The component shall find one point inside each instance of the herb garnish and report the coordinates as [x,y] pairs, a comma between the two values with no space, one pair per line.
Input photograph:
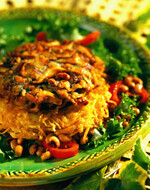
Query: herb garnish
[126,106]
[114,127]
[6,153]
[132,175]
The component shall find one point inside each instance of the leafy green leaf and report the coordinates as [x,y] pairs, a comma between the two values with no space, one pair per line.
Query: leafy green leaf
[132,176]
[139,156]
[117,184]
[114,67]
[111,184]
[126,106]
[2,156]
[97,137]
[148,41]
[119,64]
[132,172]
[88,182]
[114,128]
[5,150]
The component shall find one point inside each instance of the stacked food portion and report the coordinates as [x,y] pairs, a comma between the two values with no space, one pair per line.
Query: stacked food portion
[52,92]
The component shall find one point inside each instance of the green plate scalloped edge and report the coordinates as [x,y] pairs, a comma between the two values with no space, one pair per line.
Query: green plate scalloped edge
[32,171]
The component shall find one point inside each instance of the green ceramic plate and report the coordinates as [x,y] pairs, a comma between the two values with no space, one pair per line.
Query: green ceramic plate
[31,170]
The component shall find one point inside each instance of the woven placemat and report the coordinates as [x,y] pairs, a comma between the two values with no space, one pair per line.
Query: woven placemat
[116,11]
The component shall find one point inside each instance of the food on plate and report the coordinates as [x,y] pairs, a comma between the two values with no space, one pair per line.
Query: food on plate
[52,89]
[57,94]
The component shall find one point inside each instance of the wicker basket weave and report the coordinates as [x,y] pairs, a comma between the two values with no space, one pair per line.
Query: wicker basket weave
[115,11]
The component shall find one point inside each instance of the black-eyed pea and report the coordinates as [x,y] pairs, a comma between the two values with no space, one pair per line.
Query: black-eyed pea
[65,138]
[46,155]
[47,137]
[138,88]
[124,88]
[64,76]
[32,149]
[125,124]
[40,151]
[128,117]
[137,81]
[131,85]
[20,140]
[19,150]
[13,144]
[118,117]
[54,140]
[137,111]
[112,106]
[128,80]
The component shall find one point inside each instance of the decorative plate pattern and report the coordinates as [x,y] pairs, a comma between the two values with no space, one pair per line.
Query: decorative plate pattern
[31,170]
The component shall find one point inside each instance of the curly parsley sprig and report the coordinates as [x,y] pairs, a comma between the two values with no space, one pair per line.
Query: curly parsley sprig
[6,153]
[114,127]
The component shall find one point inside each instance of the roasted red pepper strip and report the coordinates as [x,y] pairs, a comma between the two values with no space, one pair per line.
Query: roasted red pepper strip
[66,150]
[114,89]
[144,95]
[90,38]
[41,36]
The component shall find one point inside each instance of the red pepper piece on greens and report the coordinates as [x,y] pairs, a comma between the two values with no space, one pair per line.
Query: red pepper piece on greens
[41,36]
[66,149]
[144,94]
[90,38]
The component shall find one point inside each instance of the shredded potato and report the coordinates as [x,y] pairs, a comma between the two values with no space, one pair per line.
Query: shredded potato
[20,123]
[82,86]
